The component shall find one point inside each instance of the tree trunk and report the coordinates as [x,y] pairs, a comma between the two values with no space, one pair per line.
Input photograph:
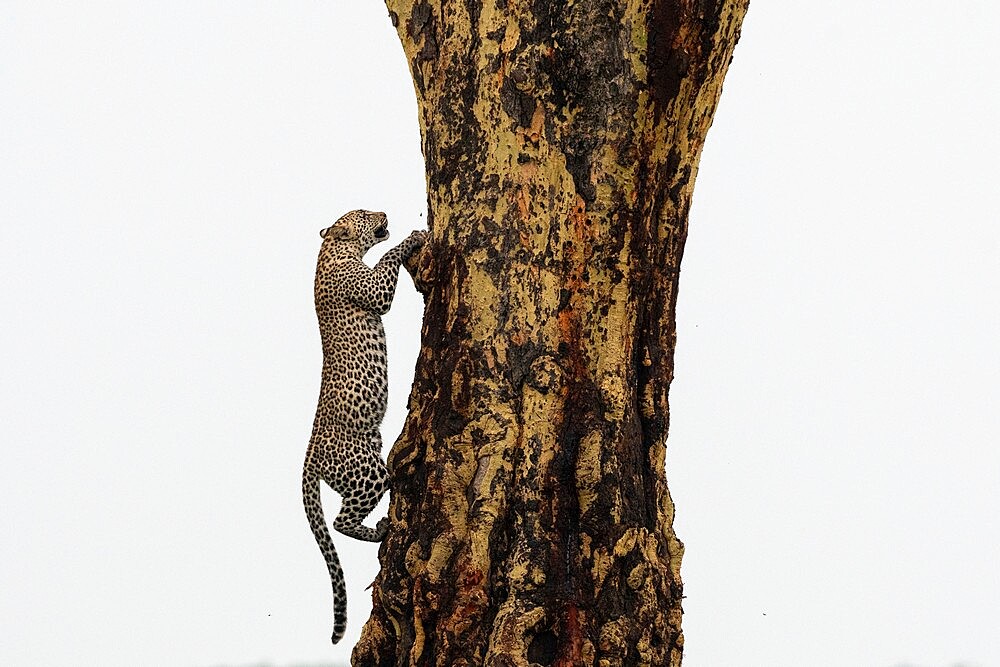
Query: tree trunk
[531,518]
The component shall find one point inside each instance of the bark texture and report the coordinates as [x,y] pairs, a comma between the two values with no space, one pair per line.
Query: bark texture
[532,524]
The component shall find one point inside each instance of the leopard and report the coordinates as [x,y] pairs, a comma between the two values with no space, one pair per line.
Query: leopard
[345,448]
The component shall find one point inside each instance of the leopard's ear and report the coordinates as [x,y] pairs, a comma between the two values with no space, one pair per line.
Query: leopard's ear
[335,232]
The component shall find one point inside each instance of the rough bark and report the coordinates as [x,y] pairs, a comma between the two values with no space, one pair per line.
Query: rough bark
[532,523]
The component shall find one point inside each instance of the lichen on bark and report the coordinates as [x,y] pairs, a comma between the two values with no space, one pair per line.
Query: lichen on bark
[532,523]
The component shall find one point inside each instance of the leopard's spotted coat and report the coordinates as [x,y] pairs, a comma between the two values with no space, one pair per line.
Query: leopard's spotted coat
[345,449]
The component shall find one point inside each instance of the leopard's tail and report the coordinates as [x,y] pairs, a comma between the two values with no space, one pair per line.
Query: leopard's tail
[314,512]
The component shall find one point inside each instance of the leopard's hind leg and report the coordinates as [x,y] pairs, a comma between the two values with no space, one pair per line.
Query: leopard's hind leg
[361,480]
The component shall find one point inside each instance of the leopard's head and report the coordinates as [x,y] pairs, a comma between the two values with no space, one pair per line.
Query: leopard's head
[363,228]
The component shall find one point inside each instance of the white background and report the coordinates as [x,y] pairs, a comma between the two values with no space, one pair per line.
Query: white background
[165,169]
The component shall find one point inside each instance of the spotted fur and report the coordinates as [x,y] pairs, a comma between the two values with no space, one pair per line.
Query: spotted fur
[345,449]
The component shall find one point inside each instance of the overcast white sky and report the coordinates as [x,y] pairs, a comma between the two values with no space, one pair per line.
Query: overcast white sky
[165,169]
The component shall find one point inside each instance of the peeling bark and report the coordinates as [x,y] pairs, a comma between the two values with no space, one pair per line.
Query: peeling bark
[532,524]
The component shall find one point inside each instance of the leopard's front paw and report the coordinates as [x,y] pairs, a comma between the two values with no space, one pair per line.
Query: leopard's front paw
[415,240]
[382,528]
